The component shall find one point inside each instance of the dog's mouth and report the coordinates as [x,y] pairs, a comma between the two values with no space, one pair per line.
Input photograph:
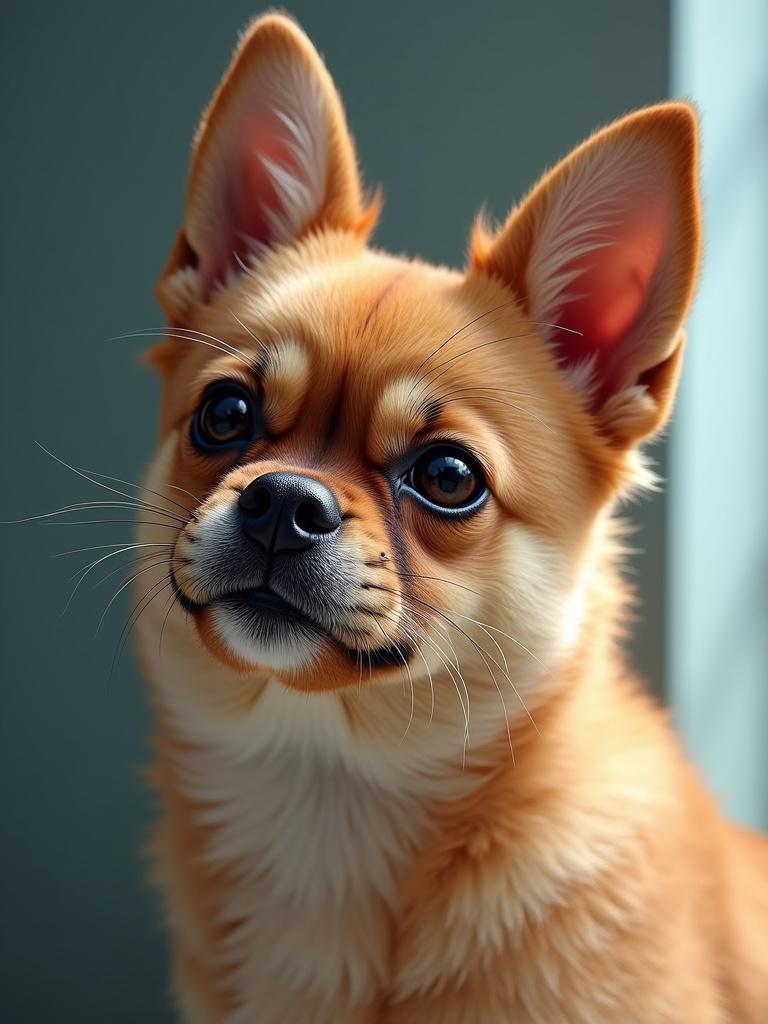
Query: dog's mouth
[265,601]
[262,604]
[272,622]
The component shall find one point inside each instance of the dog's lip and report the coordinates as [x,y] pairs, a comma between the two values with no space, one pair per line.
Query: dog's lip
[264,599]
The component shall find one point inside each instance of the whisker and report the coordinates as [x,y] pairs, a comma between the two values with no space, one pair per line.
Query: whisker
[97,483]
[109,522]
[89,569]
[460,331]
[143,487]
[494,341]
[249,332]
[504,710]
[135,560]
[421,576]
[407,667]
[500,401]
[198,337]
[416,636]
[137,504]
[452,668]
[123,546]
[140,607]
[168,610]
[498,690]
[453,671]
[81,507]
[512,639]
[99,506]
[483,625]
[412,631]
[483,654]
[479,387]
[556,327]
[127,583]
[469,351]
[534,323]
[433,623]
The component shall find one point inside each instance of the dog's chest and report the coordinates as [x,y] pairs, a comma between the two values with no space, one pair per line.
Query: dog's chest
[317,850]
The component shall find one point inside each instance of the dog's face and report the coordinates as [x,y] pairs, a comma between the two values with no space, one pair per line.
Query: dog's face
[387,462]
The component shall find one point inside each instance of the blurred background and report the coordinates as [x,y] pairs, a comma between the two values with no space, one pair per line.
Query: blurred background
[453,106]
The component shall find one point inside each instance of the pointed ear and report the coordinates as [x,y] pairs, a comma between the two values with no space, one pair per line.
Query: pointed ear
[272,159]
[607,245]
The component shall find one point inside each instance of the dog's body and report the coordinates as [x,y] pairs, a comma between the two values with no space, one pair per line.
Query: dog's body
[425,789]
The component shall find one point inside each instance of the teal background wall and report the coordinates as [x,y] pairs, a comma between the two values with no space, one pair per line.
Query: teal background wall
[718,492]
[453,105]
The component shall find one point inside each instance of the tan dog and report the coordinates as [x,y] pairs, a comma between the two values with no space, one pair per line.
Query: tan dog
[406,774]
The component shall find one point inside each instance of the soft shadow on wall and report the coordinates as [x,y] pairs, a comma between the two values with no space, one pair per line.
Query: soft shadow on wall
[452,107]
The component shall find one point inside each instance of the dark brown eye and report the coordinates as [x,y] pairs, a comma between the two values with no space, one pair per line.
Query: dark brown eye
[225,418]
[447,477]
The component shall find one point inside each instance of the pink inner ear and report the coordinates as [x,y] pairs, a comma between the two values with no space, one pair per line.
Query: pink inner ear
[260,140]
[610,289]
[249,197]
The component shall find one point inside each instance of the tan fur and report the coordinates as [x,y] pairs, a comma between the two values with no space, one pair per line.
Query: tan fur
[556,858]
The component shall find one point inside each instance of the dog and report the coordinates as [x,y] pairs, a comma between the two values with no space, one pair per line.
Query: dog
[406,775]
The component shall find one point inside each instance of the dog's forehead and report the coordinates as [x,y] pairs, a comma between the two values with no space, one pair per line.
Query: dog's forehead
[369,308]
[368,333]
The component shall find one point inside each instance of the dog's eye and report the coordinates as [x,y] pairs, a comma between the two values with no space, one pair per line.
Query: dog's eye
[447,477]
[225,417]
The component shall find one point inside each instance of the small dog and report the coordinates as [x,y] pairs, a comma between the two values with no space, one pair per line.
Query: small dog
[406,774]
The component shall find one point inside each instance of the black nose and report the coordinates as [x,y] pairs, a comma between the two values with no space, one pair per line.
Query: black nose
[288,511]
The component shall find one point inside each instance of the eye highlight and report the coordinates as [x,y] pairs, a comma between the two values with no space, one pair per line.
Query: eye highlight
[448,478]
[225,418]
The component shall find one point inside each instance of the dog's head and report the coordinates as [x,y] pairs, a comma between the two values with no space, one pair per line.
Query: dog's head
[388,462]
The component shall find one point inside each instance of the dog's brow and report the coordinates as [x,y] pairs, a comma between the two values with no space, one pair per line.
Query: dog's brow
[285,376]
[401,411]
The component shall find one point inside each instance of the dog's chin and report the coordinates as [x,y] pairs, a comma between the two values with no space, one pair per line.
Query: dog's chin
[258,631]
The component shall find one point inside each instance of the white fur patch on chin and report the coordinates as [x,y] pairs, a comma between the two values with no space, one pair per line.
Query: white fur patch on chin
[292,647]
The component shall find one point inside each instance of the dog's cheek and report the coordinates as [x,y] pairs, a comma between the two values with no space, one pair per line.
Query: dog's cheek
[539,594]
[452,539]
[456,565]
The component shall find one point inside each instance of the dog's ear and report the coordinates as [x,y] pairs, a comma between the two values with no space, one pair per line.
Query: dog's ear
[272,159]
[603,254]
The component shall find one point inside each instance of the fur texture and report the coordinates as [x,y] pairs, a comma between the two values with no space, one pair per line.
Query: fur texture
[492,823]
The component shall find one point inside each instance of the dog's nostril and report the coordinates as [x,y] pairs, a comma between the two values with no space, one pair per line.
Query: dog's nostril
[285,511]
[255,501]
[314,517]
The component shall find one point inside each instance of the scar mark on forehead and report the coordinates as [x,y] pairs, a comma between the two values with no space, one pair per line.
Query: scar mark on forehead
[385,291]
